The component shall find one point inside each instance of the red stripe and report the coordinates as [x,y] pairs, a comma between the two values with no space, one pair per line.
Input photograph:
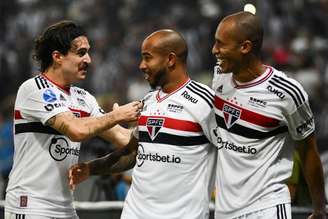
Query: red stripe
[18,115]
[171,123]
[81,113]
[249,116]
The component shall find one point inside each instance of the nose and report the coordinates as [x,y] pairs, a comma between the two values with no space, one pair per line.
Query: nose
[87,58]
[215,49]
[142,65]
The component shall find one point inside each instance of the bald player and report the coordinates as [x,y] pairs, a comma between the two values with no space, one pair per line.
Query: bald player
[174,166]
[260,114]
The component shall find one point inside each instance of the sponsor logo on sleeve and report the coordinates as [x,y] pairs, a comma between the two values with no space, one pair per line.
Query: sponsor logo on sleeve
[187,96]
[307,125]
[49,96]
[50,106]
[276,92]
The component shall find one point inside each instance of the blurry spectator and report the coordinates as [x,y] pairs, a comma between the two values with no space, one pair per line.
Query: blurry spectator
[6,141]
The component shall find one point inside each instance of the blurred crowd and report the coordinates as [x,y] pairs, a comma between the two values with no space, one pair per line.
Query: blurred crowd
[295,41]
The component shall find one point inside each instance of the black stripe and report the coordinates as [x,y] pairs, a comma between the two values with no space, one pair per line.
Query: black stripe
[248,132]
[297,88]
[23,216]
[281,211]
[210,95]
[209,102]
[202,94]
[43,82]
[290,88]
[164,138]
[278,216]
[284,208]
[37,82]
[35,127]
[284,89]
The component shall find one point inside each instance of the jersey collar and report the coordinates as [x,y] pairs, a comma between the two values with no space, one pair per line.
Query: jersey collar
[63,88]
[268,72]
[160,99]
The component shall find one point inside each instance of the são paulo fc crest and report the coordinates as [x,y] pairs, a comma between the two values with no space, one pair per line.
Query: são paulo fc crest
[231,115]
[153,126]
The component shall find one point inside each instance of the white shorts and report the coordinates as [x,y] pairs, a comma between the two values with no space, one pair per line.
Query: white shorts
[281,211]
[10,215]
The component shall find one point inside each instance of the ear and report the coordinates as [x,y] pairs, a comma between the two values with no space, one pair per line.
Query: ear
[56,56]
[246,47]
[172,59]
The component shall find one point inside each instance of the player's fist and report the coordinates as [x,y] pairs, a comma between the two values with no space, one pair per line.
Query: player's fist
[127,113]
[77,174]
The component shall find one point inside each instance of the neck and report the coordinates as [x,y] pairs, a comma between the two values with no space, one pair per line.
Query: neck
[57,77]
[176,80]
[249,72]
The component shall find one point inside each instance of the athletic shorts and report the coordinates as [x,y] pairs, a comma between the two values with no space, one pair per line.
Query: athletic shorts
[281,211]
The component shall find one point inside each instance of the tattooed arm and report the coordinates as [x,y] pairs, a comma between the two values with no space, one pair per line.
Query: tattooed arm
[118,161]
[79,129]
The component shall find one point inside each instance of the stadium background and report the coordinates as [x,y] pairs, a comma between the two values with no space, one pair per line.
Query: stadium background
[296,41]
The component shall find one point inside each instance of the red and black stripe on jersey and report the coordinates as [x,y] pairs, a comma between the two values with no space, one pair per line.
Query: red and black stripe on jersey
[250,117]
[172,139]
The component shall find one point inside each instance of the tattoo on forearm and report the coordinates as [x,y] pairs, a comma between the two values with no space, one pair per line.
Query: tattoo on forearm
[63,128]
[51,121]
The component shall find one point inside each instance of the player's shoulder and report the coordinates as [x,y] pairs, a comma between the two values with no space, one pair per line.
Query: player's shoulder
[288,86]
[150,95]
[198,93]
[34,84]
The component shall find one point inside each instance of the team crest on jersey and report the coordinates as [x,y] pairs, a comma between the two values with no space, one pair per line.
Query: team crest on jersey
[49,96]
[153,126]
[231,115]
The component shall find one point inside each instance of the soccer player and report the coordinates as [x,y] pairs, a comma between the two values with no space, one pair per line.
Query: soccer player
[259,113]
[51,118]
[174,166]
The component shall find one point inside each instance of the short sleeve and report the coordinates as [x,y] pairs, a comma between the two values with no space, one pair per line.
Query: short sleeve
[40,105]
[301,122]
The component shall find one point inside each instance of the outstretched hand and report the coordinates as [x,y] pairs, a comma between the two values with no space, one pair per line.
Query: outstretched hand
[77,174]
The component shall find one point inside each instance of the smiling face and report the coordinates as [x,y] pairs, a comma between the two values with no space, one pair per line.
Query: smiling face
[75,63]
[227,47]
[153,63]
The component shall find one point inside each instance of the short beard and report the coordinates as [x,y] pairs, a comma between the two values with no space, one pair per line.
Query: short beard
[158,80]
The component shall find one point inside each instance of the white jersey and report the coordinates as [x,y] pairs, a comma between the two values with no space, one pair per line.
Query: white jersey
[175,161]
[256,123]
[38,180]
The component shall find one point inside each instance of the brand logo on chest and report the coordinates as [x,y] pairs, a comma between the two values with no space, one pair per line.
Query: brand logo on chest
[231,115]
[154,125]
